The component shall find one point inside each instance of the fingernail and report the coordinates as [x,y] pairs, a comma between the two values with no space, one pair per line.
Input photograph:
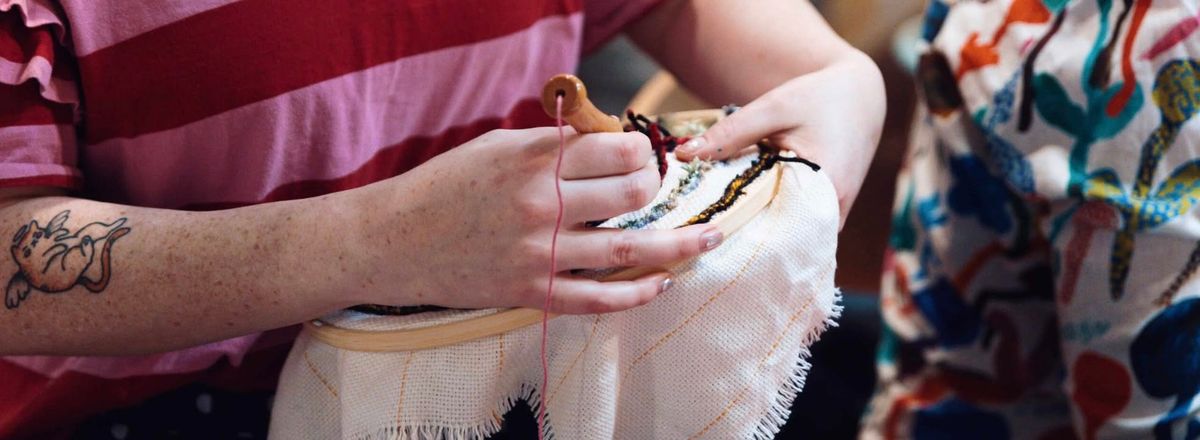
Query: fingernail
[710,240]
[692,146]
[665,284]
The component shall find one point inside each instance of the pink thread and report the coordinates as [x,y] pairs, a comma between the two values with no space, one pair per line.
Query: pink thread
[562,146]
[1177,34]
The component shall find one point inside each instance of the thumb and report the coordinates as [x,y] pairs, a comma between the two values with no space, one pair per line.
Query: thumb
[731,134]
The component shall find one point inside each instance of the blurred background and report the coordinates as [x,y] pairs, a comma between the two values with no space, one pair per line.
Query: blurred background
[842,377]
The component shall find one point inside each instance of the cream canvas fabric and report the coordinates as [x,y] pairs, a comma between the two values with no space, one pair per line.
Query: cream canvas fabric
[721,355]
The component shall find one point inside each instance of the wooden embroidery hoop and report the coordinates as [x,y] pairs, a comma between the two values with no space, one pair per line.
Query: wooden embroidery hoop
[585,118]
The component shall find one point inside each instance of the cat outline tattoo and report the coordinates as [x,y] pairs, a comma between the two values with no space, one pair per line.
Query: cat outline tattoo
[53,260]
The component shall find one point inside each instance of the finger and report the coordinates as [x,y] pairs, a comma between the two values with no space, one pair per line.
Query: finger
[734,132]
[605,197]
[605,154]
[535,141]
[607,248]
[578,295]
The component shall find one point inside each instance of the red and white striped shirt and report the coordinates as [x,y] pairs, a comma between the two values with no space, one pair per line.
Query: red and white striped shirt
[208,104]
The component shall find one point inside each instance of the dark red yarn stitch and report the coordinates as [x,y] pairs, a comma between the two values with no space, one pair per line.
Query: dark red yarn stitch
[661,140]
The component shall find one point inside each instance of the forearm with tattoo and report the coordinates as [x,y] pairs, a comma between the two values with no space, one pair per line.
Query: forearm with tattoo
[53,259]
[95,278]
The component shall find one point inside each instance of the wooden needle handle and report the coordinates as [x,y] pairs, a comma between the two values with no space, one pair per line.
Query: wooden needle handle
[577,110]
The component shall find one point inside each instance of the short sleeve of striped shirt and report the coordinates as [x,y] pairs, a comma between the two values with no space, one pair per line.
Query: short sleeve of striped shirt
[38,99]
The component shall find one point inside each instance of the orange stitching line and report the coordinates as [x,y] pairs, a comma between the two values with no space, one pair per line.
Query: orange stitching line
[500,368]
[697,312]
[313,369]
[787,328]
[586,344]
[403,382]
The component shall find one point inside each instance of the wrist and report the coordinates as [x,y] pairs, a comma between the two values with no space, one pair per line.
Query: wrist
[315,258]
[372,246]
[865,72]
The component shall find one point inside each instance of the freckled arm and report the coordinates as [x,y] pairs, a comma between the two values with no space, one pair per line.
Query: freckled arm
[172,279]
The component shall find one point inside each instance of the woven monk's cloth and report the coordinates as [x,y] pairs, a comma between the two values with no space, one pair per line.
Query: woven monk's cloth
[720,355]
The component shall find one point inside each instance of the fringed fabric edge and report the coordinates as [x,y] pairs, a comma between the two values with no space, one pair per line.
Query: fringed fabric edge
[528,392]
[781,407]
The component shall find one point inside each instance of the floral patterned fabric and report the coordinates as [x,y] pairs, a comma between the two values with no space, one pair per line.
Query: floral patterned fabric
[1040,279]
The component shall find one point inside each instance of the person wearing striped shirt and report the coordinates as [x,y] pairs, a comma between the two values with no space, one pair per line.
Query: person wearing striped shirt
[186,180]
